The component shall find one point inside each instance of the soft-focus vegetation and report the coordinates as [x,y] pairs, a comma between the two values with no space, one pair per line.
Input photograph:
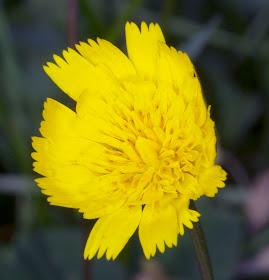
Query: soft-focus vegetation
[229,44]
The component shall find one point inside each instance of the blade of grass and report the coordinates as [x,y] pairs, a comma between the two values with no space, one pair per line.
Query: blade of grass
[116,29]
[12,116]
[96,26]
[196,43]
[181,27]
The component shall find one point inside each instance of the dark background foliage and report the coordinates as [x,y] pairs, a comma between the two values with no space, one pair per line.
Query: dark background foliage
[229,44]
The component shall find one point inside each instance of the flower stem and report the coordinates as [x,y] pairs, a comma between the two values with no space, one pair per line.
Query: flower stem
[200,247]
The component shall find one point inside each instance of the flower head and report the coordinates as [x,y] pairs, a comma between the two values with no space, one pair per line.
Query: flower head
[139,146]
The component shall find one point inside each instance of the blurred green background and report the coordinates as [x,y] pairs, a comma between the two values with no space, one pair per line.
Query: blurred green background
[229,44]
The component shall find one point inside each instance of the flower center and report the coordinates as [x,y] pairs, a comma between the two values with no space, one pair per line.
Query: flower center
[159,143]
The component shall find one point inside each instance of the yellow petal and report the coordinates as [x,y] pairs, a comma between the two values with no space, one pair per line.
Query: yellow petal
[175,70]
[100,119]
[173,67]
[73,76]
[72,154]
[158,227]
[188,186]
[93,199]
[142,47]
[76,75]
[212,178]
[209,142]
[185,216]
[58,120]
[103,52]
[148,151]
[111,232]
[62,124]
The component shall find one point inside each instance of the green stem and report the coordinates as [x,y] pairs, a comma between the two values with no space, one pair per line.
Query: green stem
[200,247]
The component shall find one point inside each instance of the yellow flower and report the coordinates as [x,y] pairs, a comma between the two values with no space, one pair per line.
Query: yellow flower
[139,146]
